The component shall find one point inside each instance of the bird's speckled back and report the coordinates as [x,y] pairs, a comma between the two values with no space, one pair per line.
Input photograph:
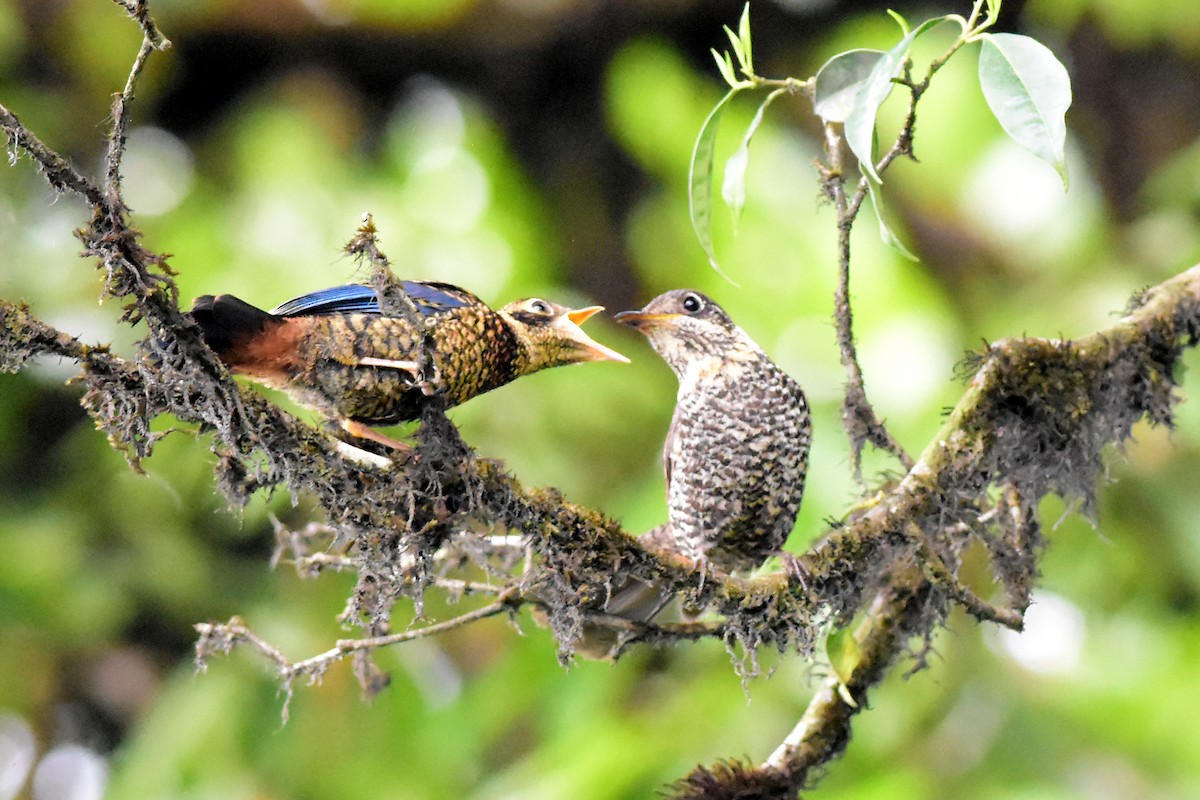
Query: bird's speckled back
[473,351]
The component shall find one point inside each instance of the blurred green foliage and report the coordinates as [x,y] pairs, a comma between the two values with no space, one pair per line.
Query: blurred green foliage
[106,570]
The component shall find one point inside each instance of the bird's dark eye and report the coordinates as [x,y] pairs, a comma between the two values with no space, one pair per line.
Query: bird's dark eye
[692,303]
[539,307]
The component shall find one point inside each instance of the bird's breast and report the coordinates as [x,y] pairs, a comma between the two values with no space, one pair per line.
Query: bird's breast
[702,374]
[738,461]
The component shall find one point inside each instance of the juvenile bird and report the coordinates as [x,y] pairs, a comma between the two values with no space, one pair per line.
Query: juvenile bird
[736,453]
[336,352]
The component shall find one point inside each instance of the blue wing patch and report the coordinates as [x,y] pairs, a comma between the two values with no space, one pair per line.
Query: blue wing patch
[356,298]
[434,298]
[352,299]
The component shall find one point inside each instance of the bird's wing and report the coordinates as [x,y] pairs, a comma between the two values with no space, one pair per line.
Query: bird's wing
[354,298]
[357,298]
[668,446]
[433,298]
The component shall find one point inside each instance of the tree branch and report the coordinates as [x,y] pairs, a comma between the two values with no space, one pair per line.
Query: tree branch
[139,10]
[859,417]
[1033,419]
[57,171]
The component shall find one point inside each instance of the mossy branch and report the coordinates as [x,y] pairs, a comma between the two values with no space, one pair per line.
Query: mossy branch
[1033,421]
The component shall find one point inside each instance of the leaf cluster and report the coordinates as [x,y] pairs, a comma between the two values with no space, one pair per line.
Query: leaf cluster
[1025,85]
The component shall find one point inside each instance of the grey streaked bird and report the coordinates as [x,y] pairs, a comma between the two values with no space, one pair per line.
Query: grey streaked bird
[736,453]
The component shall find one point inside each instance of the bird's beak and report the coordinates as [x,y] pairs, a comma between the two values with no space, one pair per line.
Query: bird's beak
[589,348]
[582,315]
[641,320]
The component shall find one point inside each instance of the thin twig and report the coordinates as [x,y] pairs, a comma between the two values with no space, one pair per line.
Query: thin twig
[862,422]
[139,10]
[392,299]
[944,578]
[858,415]
[120,116]
[344,647]
[57,170]
[224,636]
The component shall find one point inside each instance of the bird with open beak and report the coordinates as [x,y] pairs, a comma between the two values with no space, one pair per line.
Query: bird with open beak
[736,453]
[334,350]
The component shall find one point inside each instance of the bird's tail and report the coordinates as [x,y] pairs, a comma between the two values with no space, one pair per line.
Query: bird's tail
[226,321]
[632,599]
[629,598]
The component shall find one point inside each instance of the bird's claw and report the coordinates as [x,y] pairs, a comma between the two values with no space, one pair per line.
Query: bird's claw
[794,567]
[411,367]
[363,431]
[429,380]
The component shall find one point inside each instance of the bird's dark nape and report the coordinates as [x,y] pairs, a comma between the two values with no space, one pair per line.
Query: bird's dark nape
[224,320]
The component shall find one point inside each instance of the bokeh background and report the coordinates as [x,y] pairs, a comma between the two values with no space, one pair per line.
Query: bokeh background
[523,147]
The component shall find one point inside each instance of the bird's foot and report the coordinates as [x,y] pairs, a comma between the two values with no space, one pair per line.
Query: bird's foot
[411,367]
[363,456]
[702,562]
[362,431]
[432,384]
[794,567]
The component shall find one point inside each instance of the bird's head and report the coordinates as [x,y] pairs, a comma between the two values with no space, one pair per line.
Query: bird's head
[686,328]
[550,334]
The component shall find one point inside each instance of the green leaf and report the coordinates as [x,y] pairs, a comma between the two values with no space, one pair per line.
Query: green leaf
[744,35]
[839,81]
[844,653]
[736,43]
[733,188]
[1029,91]
[899,20]
[700,179]
[885,230]
[860,123]
[725,66]
[992,13]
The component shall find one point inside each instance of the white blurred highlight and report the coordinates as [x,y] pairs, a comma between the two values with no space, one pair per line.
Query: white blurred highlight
[447,193]
[907,362]
[1053,639]
[158,171]
[70,772]
[17,753]
[1011,194]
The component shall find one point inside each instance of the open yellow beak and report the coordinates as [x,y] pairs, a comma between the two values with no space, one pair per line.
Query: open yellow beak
[582,315]
[591,349]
